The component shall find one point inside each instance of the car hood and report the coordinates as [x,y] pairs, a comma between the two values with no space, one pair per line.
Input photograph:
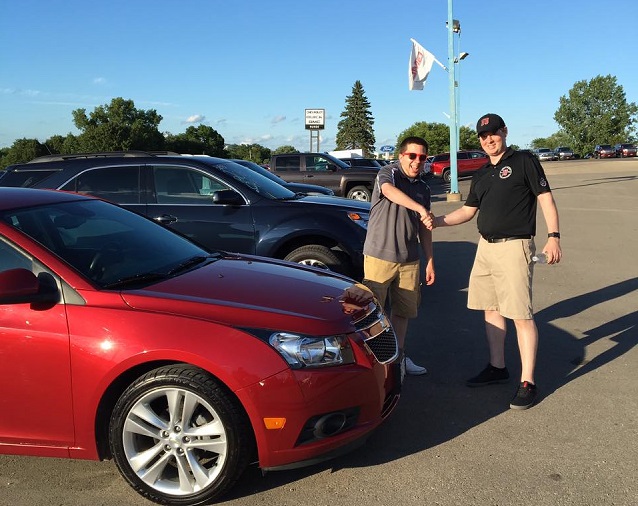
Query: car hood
[341,202]
[245,291]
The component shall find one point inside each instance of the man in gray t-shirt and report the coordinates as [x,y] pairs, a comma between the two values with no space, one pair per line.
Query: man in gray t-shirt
[400,204]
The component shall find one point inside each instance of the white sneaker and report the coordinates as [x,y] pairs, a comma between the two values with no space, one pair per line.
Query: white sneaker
[413,369]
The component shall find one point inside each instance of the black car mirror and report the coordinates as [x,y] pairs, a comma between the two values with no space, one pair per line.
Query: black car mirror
[228,197]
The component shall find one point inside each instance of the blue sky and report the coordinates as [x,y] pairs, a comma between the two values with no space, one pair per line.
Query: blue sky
[249,68]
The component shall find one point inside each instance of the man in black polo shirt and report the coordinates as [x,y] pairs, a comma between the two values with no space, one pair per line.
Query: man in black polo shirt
[506,191]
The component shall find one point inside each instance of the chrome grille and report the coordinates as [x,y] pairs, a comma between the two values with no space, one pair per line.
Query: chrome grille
[378,334]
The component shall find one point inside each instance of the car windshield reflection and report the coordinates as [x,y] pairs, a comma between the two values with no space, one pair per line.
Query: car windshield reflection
[107,244]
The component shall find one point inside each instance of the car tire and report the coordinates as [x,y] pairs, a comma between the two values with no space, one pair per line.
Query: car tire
[179,437]
[447,175]
[360,193]
[318,256]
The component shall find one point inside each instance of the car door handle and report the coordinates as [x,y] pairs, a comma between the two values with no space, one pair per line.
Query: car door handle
[165,219]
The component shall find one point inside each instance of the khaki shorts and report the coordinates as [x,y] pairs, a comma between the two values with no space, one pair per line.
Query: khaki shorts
[501,278]
[399,281]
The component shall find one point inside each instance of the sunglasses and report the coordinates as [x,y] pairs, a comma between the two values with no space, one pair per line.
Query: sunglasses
[412,156]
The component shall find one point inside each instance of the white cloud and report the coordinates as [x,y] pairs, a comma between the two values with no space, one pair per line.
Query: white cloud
[195,118]
[99,81]
[278,119]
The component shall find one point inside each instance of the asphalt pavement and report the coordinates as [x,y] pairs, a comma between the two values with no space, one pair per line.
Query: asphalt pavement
[450,445]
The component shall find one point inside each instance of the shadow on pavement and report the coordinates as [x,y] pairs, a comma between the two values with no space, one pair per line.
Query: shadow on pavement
[449,340]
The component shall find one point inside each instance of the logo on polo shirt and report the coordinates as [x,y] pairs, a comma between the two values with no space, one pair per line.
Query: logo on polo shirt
[505,172]
[542,182]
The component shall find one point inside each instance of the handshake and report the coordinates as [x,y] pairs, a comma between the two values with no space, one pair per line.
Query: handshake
[428,219]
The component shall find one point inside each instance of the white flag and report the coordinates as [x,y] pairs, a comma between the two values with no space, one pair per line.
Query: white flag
[421,62]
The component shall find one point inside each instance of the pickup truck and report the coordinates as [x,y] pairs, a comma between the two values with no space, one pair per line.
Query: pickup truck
[326,170]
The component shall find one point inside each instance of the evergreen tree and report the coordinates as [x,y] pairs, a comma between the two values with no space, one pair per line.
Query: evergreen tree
[355,130]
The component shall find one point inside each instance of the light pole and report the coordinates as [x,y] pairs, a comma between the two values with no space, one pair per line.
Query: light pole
[461,57]
[453,26]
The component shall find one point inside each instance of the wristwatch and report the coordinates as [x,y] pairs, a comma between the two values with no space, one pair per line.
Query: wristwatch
[554,234]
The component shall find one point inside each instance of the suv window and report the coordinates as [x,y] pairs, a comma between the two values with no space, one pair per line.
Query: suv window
[177,185]
[24,179]
[116,184]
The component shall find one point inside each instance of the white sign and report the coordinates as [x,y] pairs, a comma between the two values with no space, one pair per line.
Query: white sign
[315,119]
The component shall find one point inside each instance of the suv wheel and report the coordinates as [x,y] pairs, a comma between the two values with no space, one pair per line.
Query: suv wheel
[360,193]
[447,175]
[316,255]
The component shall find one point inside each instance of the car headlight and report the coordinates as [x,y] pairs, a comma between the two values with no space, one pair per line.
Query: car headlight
[307,351]
[360,219]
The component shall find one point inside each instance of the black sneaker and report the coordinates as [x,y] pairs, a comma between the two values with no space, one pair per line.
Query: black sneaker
[525,396]
[489,376]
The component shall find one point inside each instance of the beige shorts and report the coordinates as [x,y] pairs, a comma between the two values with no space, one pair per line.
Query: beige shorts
[501,278]
[399,281]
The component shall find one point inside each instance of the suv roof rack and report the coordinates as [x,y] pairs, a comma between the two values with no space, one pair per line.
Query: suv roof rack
[102,154]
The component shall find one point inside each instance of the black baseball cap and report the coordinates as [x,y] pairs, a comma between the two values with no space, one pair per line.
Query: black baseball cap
[489,123]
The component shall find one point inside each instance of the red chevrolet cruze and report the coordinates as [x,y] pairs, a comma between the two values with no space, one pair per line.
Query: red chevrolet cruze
[121,339]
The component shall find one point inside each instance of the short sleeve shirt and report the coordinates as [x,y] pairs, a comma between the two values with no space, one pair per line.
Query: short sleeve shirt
[506,193]
[393,230]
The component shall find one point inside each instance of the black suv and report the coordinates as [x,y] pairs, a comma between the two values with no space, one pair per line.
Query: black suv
[216,202]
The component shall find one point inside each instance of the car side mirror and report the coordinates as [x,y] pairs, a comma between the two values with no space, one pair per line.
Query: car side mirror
[20,286]
[228,198]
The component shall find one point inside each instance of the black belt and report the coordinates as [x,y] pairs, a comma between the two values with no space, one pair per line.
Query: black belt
[505,239]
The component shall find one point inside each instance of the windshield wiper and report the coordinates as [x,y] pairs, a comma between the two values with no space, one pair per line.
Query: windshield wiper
[192,262]
[137,279]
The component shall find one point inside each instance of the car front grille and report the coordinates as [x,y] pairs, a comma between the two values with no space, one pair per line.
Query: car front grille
[378,334]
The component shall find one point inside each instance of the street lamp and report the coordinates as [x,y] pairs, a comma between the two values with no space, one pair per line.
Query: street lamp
[453,26]
[460,57]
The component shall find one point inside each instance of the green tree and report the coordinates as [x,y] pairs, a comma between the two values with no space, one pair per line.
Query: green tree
[23,150]
[355,130]
[282,150]
[559,138]
[118,126]
[438,136]
[596,112]
[468,138]
[58,144]
[253,152]
[199,140]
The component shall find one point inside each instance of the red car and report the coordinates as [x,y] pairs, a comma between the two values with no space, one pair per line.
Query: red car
[122,339]
[468,162]
[625,150]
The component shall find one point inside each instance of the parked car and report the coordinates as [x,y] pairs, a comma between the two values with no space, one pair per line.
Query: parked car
[216,202]
[468,162]
[604,151]
[625,150]
[545,155]
[306,189]
[324,169]
[123,340]
[564,153]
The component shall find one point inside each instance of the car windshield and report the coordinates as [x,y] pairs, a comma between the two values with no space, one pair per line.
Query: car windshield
[257,182]
[260,170]
[107,244]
